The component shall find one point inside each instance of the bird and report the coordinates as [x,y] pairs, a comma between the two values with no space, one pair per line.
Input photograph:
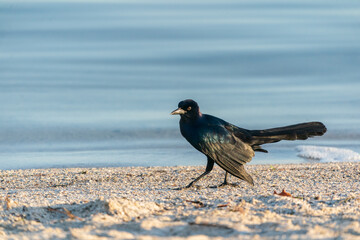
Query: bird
[229,146]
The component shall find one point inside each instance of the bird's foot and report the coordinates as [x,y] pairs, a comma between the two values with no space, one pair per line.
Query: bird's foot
[186,187]
[180,188]
[225,184]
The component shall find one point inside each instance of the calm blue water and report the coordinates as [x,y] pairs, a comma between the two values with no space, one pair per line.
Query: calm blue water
[93,83]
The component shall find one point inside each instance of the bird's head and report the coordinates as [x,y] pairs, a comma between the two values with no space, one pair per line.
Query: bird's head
[187,109]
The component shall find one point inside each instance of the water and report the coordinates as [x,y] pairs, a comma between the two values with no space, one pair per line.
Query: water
[327,154]
[93,83]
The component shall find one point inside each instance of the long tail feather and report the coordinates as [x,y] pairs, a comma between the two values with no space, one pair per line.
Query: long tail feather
[300,131]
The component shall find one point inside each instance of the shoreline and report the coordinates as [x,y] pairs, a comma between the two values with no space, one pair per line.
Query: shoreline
[141,203]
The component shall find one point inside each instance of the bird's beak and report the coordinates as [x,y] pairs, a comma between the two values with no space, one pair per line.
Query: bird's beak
[178,111]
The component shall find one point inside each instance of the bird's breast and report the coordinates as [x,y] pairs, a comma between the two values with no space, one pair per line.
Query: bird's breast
[192,133]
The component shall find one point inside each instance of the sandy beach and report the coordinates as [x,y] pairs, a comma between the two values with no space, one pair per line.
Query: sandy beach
[320,201]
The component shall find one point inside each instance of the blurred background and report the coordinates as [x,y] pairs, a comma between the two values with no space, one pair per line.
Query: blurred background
[92,83]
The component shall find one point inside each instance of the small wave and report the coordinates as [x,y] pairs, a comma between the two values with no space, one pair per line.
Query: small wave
[327,154]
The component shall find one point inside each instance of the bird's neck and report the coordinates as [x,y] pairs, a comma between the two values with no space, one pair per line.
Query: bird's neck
[192,118]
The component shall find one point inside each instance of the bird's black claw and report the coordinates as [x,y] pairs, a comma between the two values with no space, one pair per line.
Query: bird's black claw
[225,184]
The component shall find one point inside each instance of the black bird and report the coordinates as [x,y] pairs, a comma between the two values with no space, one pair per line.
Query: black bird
[230,146]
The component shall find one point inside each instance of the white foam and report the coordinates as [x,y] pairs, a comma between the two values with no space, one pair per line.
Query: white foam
[327,154]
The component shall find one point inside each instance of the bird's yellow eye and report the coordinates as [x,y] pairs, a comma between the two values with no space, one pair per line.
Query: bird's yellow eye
[189,108]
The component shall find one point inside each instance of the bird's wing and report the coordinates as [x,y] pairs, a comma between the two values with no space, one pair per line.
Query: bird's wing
[241,133]
[227,150]
[245,136]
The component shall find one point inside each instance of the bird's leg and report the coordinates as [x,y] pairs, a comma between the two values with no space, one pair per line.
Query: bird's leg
[209,167]
[225,180]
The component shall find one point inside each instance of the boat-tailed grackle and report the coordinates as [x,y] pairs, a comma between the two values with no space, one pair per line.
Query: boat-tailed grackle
[230,146]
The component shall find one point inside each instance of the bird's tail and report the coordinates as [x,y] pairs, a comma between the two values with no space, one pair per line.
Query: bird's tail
[299,131]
